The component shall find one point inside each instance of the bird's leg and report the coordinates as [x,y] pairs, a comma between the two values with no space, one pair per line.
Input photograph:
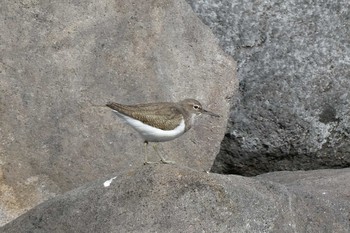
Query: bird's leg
[161,157]
[145,154]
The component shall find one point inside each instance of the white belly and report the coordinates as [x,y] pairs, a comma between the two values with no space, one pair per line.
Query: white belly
[152,134]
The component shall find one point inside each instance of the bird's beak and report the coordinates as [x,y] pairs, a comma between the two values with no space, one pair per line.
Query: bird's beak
[209,113]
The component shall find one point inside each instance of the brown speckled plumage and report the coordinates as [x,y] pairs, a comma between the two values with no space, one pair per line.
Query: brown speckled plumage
[165,116]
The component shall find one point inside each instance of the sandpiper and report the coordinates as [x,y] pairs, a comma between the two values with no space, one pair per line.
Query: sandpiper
[160,122]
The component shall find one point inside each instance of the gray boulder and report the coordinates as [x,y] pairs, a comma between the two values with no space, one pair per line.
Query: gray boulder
[293,67]
[163,198]
[61,61]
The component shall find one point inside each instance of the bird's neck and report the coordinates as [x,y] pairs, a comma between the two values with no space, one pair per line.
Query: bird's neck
[190,121]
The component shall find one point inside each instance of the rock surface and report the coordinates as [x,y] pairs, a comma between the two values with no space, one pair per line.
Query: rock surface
[166,198]
[293,67]
[60,61]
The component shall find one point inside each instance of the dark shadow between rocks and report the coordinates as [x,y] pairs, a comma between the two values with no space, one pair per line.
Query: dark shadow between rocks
[232,159]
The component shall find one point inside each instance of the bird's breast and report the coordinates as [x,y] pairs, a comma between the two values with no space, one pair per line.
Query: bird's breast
[153,134]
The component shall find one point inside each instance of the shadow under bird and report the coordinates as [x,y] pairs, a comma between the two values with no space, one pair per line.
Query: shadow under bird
[160,122]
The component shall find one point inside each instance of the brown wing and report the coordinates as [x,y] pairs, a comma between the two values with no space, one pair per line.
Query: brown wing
[164,116]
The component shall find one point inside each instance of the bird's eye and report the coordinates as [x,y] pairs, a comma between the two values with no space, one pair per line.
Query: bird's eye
[196,107]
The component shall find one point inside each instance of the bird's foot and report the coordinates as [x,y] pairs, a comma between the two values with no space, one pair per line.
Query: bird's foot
[167,161]
[149,162]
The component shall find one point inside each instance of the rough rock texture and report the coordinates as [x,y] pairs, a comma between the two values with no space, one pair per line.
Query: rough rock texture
[60,61]
[166,198]
[293,66]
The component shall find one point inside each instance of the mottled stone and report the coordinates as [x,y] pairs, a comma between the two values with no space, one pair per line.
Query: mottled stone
[61,61]
[293,65]
[173,199]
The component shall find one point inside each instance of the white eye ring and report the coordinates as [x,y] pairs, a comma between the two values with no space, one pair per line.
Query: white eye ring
[195,106]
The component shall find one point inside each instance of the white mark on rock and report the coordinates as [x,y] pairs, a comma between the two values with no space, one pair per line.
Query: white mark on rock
[108,182]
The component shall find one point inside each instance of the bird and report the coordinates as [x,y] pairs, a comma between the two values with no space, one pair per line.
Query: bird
[161,121]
